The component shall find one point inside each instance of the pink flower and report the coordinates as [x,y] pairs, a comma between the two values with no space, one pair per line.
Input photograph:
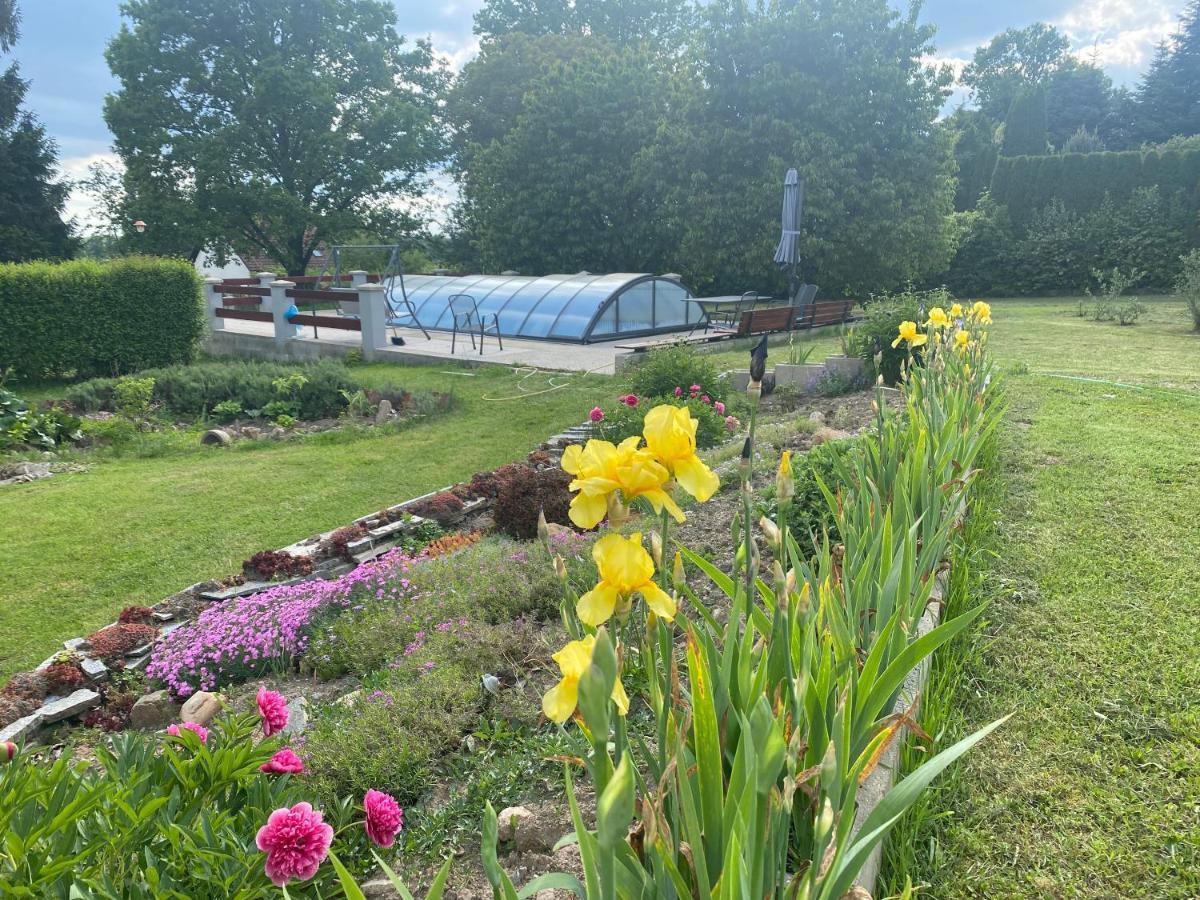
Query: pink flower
[706,399]
[678,392]
[695,388]
[719,407]
[629,399]
[732,424]
[200,731]
[273,709]
[296,842]
[284,762]
[597,414]
[385,818]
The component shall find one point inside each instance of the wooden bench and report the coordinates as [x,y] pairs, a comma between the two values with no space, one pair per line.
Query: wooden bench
[786,318]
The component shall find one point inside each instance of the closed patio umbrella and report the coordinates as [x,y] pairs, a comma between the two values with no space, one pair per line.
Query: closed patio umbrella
[787,254]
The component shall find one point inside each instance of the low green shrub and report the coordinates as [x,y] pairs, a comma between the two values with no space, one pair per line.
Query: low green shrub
[809,512]
[98,318]
[43,429]
[1188,285]
[622,420]
[873,335]
[132,397]
[677,366]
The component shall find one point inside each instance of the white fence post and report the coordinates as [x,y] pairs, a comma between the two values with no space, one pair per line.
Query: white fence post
[264,280]
[372,315]
[351,307]
[357,277]
[279,304]
[212,302]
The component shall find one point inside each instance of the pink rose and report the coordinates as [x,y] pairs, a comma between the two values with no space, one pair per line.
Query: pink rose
[273,709]
[719,407]
[200,731]
[732,424]
[597,414]
[284,762]
[384,819]
[678,392]
[296,842]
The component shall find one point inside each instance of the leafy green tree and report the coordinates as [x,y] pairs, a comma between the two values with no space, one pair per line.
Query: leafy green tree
[1025,127]
[1015,59]
[279,124]
[620,21]
[1168,97]
[975,151]
[1083,141]
[31,202]
[836,88]
[1078,96]
[552,189]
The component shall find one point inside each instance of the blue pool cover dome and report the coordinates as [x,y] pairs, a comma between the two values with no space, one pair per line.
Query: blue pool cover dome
[581,307]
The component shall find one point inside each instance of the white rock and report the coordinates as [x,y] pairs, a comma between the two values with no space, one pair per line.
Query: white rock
[94,669]
[22,729]
[384,413]
[202,707]
[297,716]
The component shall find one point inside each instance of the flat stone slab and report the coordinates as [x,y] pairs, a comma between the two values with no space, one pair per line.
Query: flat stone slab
[93,668]
[239,590]
[76,644]
[22,729]
[80,701]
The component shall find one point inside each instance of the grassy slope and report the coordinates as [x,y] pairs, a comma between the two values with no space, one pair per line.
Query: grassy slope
[1093,788]
[78,547]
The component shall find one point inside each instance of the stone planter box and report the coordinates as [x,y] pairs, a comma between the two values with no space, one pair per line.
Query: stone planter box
[848,366]
[804,377]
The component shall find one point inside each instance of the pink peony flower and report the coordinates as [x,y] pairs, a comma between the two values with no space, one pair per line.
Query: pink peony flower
[273,709]
[629,400]
[597,414]
[200,730]
[732,424]
[719,407]
[678,392]
[706,399]
[284,762]
[695,388]
[385,818]
[296,842]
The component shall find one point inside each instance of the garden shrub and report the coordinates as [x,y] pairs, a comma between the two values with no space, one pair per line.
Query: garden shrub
[523,491]
[873,335]
[809,512]
[411,714]
[98,318]
[1188,285]
[625,419]
[678,366]
[44,429]
[444,508]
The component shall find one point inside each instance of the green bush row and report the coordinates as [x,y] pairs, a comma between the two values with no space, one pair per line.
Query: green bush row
[98,318]
[1082,181]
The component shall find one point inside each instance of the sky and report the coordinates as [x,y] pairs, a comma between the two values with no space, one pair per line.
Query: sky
[61,51]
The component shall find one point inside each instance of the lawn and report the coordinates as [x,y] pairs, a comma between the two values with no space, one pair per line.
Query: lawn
[1093,788]
[80,546]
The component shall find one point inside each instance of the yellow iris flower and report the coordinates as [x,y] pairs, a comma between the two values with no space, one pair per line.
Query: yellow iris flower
[961,339]
[670,433]
[982,312]
[573,660]
[600,468]
[908,332]
[956,311]
[938,318]
[625,568]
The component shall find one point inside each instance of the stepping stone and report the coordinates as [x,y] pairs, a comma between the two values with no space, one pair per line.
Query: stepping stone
[80,701]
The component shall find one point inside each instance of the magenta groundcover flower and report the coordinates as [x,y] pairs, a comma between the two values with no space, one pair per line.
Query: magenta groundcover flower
[284,762]
[200,730]
[274,711]
[385,818]
[296,842]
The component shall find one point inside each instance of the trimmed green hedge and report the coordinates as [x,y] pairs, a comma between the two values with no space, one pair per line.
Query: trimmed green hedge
[98,318]
[1025,184]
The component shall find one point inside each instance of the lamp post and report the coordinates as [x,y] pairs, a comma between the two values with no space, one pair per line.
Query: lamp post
[139,226]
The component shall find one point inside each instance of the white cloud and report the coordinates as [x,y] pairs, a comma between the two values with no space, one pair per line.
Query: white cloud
[80,205]
[1119,34]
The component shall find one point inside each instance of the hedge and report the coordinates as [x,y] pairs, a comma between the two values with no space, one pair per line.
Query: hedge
[1025,184]
[98,318]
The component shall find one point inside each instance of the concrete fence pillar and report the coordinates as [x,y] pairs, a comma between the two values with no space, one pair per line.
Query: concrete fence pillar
[280,302]
[264,280]
[212,302]
[351,307]
[358,277]
[373,314]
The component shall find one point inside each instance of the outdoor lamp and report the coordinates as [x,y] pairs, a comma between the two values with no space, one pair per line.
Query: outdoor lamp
[139,226]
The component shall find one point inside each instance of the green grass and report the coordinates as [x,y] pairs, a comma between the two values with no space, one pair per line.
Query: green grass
[824,342]
[80,546]
[1092,561]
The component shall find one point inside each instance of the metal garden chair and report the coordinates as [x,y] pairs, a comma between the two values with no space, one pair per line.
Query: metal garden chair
[467,318]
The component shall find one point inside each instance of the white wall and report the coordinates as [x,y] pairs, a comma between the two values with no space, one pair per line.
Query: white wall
[208,268]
